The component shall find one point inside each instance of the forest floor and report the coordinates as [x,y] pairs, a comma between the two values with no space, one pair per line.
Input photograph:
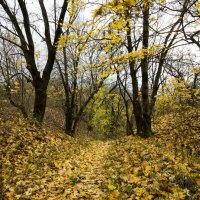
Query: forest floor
[39,164]
[87,172]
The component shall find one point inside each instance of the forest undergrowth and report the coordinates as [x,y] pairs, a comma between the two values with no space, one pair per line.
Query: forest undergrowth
[40,164]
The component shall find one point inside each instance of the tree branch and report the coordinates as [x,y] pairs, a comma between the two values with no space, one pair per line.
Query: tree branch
[15,23]
[27,25]
[46,25]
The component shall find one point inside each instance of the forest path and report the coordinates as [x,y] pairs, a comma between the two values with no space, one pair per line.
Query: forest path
[87,177]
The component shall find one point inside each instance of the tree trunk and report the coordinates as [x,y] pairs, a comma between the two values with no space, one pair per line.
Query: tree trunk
[137,109]
[69,121]
[146,117]
[129,125]
[40,101]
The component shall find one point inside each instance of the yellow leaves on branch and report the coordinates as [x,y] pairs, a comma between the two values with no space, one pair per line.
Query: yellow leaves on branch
[118,24]
[104,74]
[130,3]
[135,55]
[108,47]
[70,38]
[114,39]
[195,70]
[74,6]
[175,95]
[20,63]
[115,5]
[62,41]
[198,7]
[106,61]
[180,89]
[77,34]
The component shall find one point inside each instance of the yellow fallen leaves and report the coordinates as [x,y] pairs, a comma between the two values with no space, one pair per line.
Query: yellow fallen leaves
[139,191]
[87,175]
[114,195]
[42,165]
[31,158]
[197,165]
[141,169]
[111,187]
[133,178]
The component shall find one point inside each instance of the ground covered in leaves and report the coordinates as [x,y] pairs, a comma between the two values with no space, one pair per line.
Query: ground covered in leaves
[38,164]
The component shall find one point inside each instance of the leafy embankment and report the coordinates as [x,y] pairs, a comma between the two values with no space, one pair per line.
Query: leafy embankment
[28,157]
[143,169]
[179,132]
[38,164]
[166,166]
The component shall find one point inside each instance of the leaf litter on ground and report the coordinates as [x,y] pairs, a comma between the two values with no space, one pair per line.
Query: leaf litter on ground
[39,164]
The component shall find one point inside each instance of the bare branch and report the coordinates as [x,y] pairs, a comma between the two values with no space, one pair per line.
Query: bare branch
[46,25]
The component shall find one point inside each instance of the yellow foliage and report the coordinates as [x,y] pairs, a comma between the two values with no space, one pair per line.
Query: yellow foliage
[108,47]
[118,24]
[198,6]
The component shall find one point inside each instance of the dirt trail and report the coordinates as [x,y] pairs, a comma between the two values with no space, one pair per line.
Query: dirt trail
[87,172]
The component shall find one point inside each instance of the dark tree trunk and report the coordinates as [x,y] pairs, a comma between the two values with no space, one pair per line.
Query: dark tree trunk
[137,109]
[146,121]
[129,125]
[69,120]
[40,103]
[72,118]
[142,108]
[124,92]
[138,117]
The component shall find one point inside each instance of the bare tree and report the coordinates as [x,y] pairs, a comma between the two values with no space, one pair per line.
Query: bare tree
[14,77]
[24,30]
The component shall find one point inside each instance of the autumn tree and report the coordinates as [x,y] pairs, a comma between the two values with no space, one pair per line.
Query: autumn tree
[108,112]
[139,25]
[18,19]
[82,67]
